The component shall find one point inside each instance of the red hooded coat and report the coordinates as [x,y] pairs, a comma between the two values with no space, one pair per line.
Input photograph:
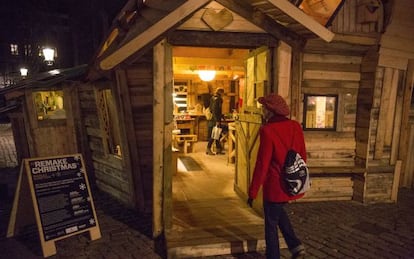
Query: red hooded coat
[277,136]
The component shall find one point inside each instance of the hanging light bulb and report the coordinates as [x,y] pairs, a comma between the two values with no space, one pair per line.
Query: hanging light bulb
[207,75]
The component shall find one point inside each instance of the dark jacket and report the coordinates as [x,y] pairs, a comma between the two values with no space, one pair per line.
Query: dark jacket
[216,103]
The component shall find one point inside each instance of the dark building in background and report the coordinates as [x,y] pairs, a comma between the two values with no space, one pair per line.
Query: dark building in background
[74,28]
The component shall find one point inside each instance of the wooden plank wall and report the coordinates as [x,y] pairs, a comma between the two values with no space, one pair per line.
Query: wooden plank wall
[330,188]
[365,103]
[386,117]
[378,187]
[397,40]
[333,74]
[407,134]
[140,84]
[348,20]
[389,105]
[109,174]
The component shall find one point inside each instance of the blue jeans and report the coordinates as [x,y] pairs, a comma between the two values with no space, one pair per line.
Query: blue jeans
[276,216]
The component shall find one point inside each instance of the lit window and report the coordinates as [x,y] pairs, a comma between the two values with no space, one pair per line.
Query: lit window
[109,122]
[320,112]
[14,49]
[49,105]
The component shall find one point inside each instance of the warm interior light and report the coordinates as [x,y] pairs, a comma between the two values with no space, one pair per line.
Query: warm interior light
[23,71]
[49,55]
[206,75]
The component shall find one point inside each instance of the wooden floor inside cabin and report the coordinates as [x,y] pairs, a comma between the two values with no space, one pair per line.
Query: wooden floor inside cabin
[208,217]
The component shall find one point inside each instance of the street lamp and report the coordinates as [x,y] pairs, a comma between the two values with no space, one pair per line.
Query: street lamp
[49,55]
[23,72]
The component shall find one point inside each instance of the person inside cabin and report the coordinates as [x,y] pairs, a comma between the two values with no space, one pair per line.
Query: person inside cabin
[216,102]
[277,134]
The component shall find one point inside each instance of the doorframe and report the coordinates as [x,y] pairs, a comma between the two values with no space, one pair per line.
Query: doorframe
[162,138]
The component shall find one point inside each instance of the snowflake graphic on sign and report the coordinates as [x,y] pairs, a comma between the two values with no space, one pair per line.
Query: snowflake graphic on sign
[82,186]
[92,221]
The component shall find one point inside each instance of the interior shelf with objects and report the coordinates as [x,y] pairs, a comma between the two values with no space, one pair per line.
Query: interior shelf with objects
[191,97]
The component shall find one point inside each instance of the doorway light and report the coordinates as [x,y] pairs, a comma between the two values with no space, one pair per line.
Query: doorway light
[207,75]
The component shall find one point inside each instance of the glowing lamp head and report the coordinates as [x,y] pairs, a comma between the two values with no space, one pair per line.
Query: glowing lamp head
[49,55]
[24,71]
[207,75]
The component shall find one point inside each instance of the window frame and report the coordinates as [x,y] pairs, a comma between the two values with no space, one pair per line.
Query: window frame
[335,112]
[106,121]
[50,121]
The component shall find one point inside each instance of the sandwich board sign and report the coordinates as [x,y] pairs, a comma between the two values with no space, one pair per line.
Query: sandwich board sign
[61,200]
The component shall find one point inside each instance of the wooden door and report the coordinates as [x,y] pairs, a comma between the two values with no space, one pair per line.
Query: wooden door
[258,77]
[54,134]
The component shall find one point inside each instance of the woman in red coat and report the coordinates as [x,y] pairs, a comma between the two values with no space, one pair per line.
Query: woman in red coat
[277,135]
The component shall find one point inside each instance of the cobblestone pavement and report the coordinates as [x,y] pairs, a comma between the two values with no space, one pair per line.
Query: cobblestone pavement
[7,148]
[328,230]
[335,229]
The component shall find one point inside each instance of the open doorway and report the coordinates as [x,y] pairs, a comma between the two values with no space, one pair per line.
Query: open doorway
[206,207]
[201,176]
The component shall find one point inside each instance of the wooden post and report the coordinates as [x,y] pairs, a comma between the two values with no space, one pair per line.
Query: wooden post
[382,120]
[396,180]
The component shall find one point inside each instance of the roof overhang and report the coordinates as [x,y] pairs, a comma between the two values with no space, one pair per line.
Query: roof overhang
[141,24]
[47,79]
[303,19]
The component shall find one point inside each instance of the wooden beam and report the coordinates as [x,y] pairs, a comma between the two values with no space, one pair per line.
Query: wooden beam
[130,153]
[153,32]
[221,39]
[396,181]
[302,18]
[355,39]
[404,152]
[384,106]
[265,22]
[158,139]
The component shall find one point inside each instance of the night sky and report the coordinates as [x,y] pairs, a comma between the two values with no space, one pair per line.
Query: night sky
[75,27]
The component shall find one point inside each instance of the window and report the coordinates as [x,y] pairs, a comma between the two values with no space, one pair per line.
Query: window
[49,105]
[320,112]
[14,49]
[109,122]
[27,50]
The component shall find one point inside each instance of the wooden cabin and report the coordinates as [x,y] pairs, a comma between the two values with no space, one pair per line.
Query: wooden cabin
[44,114]
[345,68]
[347,76]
